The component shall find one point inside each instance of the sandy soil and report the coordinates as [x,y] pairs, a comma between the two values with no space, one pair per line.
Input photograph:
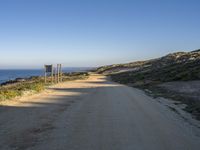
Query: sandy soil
[93,114]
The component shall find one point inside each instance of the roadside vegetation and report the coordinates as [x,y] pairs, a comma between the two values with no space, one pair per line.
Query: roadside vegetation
[13,89]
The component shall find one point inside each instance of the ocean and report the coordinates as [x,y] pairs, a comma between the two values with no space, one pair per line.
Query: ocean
[11,74]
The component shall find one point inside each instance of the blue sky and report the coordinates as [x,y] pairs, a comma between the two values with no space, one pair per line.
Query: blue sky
[94,32]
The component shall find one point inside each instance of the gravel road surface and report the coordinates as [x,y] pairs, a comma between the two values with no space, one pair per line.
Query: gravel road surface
[93,114]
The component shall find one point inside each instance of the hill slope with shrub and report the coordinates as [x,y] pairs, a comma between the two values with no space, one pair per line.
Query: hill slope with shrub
[180,66]
[175,76]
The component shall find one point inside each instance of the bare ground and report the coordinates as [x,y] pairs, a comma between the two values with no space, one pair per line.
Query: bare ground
[94,114]
[189,89]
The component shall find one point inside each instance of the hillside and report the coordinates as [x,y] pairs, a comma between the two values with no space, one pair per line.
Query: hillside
[174,76]
[172,67]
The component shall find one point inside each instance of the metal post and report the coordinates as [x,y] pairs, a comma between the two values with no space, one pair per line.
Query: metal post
[61,72]
[58,72]
[52,74]
[55,75]
[45,75]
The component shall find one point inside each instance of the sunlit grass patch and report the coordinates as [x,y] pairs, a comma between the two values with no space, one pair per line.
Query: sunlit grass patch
[34,85]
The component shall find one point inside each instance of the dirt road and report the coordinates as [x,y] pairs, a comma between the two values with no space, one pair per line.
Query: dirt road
[94,114]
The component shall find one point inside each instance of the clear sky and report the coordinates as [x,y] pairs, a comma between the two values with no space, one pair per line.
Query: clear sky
[94,32]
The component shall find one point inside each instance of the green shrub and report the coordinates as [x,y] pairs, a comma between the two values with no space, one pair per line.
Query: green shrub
[18,89]
[8,94]
[38,87]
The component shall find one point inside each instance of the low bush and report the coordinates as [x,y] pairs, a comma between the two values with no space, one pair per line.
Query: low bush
[12,91]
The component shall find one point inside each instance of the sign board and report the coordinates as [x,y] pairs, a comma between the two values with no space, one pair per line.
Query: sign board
[48,68]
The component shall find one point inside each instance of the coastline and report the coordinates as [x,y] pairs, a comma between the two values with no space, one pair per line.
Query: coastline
[8,76]
[33,85]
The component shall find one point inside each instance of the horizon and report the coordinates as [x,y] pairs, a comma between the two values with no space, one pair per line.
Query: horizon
[94,33]
[64,67]
[42,68]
